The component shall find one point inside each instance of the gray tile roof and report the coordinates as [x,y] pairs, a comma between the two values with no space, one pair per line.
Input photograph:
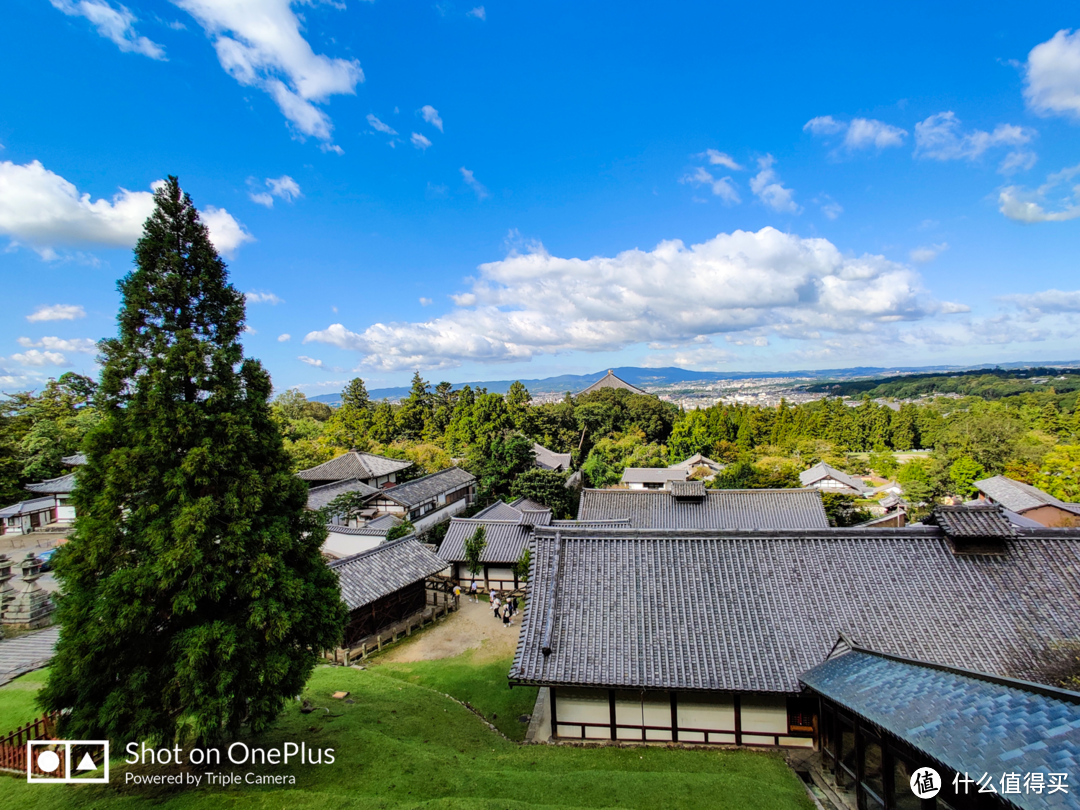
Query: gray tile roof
[536,517]
[985,520]
[360,531]
[528,503]
[318,497]
[698,460]
[688,489]
[752,611]
[54,486]
[354,464]
[499,510]
[1020,497]
[386,522]
[506,541]
[609,380]
[419,490]
[74,461]
[26,507]
[962,719]
[549,459]
[379,572]
[721,509]
[821,470]
[653,475]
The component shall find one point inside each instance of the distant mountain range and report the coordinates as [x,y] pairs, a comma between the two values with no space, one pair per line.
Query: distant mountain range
[650,377]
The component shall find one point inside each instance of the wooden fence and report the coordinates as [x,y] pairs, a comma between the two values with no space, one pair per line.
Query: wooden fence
[13,746]
[374,643]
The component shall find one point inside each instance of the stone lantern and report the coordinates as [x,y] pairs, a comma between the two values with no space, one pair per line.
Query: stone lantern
[30,606]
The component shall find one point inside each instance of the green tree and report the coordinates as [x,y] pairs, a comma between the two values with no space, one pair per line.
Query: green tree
[841,510]
[195,594]
[403,529]
[383,424]
[521,567]
[474,550]
[497,462]
[356,396]
[547,487]
[1060,472]
[415,411]
[964,472]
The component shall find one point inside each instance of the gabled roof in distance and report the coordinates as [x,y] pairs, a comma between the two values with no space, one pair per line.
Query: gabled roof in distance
[389,567]
[62,485]
[1020,497]
[609,380]
[415,492]
[354,464]
[821,470]
[720,509]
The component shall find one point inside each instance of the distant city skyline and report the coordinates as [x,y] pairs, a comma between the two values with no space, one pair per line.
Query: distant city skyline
[500,192]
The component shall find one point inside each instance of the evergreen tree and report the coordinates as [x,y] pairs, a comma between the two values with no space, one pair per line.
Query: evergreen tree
[356,396]
[474,550]
[195,596]
[415,411]
[547,487]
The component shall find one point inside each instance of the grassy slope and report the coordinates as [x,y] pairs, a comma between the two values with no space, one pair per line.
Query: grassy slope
[17,705]
[402,745]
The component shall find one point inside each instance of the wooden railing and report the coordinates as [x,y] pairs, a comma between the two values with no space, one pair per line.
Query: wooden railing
[13,746]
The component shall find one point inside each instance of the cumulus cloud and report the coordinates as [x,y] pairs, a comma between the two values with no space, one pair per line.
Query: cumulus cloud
[859,133]
[419,141]
[1052,76]
[1046,302]
[471,181]
[311,361]
[57,312]
[115,24]
[431,115]
[258,43]
[426,302]
[928,253]
[940,137]
[39,358]
[477,12]
[701,358]
[84,345]
[284,188]
[829,207]
[1029,206]
[43,210]
[285,338]
[379,126]
[718,158]
[768,188]
[724,187]
[262,297]
[535,304]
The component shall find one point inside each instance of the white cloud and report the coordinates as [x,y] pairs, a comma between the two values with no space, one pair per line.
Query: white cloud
[718,158]
[471,181]
[1024,205]
[263,297]
[723,188]
[431,115]
[829,207]
[770,189]
[940,137]
[251,330]
[258,43]
[419,141]
[477,12]
[43,210]
[57,312]
[535,303]
[928,253]
[84,345]
[116,24]
[859,133]
[38,358]
[824,125]
[379,126]
[426,302]
[1046,302]
[311,361]
[703,358]
[284,188]
[1052,75]
[285,338]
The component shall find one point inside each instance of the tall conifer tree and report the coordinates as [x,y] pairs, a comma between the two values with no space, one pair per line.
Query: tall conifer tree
[194,590]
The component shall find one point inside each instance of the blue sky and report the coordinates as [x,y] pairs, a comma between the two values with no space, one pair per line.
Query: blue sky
[521,190]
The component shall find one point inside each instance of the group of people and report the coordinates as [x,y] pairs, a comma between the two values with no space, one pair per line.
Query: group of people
[504,608]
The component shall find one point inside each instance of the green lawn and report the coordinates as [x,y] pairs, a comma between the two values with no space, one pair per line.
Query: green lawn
[17,706]
[400,745]
[482,685]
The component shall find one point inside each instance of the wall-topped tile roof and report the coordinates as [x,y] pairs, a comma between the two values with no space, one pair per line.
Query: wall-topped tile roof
[354,464]
[76,460]
[721,509]
[753,610]
[654,475]
[373,574]
[963,720]
[984,520]
[54,486]
[321,496]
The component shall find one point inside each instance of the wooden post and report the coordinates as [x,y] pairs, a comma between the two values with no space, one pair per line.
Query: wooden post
[554,713]
[674,718]
[738,719]
[611,712]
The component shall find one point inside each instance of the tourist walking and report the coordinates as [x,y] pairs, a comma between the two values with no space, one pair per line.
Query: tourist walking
[473,595]
[506,615]
[495,604]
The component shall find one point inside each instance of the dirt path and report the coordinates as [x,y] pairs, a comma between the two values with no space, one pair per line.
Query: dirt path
[471,627]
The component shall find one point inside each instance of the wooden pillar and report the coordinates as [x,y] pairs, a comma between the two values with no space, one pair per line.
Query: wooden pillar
[611,712]
[674,717]
[554,712]
[860,766]
[487,584]
[738,719]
